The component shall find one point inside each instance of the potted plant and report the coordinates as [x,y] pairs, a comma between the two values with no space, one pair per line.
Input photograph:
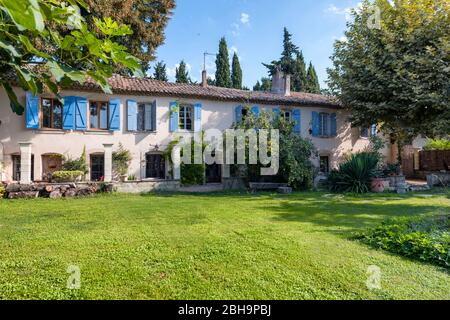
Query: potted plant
[377,183]
[121,161]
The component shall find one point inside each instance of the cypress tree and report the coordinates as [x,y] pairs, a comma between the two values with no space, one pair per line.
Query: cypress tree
[313,85]
[236,73]
[181,73]
[299,78]
[223,78]
[160,72]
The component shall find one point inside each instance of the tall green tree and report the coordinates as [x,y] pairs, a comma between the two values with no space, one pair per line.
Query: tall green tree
[299,78]
[312,81]
[160,72]
[264,85]
[30,35]
[236,73]
[147,19]
[181,73]
[287,60]
[223,78]
[394,69]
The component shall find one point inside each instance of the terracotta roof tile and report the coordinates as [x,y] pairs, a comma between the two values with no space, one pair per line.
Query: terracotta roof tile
[150,87]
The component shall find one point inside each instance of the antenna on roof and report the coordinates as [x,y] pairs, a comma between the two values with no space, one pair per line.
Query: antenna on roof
[204,74]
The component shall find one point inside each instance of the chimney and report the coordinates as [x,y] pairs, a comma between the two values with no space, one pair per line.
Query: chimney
[204,79]
[281,83]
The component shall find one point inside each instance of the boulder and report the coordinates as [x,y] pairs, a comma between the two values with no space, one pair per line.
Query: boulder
[55,194]
[70,193]
[23,195]
[13,187]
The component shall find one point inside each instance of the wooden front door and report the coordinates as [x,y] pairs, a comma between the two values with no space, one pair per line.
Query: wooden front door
[155,166]
[97,167]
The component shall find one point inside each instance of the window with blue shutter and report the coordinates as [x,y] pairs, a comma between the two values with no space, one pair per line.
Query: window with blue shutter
[255,111]
[276,113]
[132,115]
[333,125]
[315,125]
[81,114]
[238,114]
[373,130]
[114,115]
[154,117]
[198,117]
[69,113]
[173,110]
[297,121]
[32,111]
[148,117]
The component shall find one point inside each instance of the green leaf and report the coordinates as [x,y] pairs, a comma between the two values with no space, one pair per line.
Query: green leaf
[26,14]
[10,49]
[16,107]
[56,70]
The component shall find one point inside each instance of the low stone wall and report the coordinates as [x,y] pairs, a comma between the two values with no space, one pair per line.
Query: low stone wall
[54,190]
[146,186]
[438,179]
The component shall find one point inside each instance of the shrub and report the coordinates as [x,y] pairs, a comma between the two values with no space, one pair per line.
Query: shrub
[422,238]
[131,177]
[355,174]
[121,160]
[2,191]
[77,164]
[442,144]
[67,176]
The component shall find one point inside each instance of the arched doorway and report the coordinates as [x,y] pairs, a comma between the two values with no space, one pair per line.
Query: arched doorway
[51,162]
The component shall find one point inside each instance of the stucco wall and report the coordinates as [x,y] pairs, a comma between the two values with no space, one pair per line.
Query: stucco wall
[215,114]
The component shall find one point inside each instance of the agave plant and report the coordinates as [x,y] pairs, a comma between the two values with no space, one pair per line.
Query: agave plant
[355,174]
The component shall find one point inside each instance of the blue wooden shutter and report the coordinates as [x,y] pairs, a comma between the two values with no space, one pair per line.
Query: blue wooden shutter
[238,114]
[154,116]
[276,113]
[173,109]
[114,115]
[315,124]
[296,119]
[148,116]
[132,112]
[333,125]
[69,113]
[373,130]
[32,111]
[255,111]
[198,117]
[81,114]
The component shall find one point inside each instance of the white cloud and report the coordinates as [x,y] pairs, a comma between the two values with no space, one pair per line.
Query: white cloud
[347,12]
[245,18]
[233,49]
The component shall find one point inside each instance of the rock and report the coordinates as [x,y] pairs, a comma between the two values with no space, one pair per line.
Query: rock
[55,194]
[13,187]
[70,193]
[26,187]
[23,195]
[49,188]
[84,192]
[108,188]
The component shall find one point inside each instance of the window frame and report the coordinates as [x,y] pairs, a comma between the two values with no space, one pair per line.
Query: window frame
[361,133]
[52,113]
[192,116]
[283,114]
[98,103]
[327,133]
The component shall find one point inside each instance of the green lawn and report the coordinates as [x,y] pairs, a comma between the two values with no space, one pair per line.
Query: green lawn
[222,246]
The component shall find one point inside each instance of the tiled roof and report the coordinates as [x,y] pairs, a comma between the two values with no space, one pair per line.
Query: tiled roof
[150,87]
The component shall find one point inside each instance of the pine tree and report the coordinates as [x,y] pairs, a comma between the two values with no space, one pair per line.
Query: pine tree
[160,72]
[313,85]
[147,19]
[299,78]
[223,78]
[287,61]
[257,86]
[236,73]
[181,73]
[264,85]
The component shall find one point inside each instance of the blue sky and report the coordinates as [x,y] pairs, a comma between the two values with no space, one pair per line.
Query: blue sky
[253,28]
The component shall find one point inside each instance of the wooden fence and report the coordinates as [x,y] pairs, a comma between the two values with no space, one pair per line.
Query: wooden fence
[434,160]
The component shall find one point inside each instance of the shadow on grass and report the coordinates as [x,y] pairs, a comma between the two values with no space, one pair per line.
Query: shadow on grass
[346,216]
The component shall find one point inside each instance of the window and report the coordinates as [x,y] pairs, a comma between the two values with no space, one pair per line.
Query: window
[286,115]
[324,125]
[141,117]
[324,164]
[98,115]
[186,116]
[52,113]
[16,167]
[146,114]
[364,132]
[155,166]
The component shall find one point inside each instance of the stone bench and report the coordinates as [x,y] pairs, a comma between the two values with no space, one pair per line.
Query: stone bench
[269,186]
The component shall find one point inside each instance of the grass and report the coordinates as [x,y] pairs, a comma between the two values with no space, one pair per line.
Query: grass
[217,246]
